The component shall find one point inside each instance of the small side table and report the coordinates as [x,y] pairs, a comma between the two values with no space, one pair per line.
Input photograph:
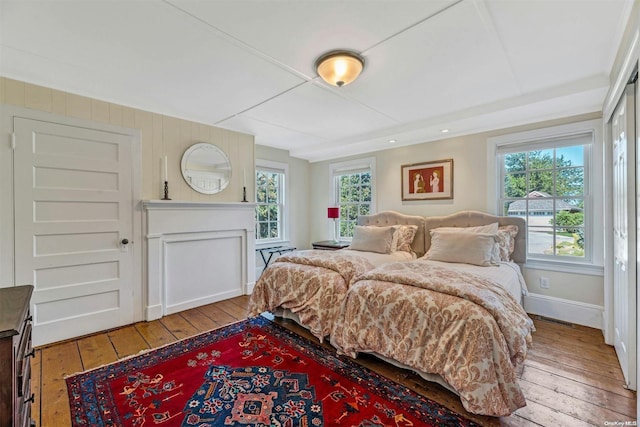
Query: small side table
[329,245]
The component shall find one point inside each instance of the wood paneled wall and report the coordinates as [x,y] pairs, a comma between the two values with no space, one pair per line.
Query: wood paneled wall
[160,136]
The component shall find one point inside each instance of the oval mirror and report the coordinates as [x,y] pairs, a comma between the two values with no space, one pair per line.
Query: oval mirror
[206,168]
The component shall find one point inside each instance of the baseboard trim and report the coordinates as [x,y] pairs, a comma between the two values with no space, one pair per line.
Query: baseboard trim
[153,312]
[576,312]
[250,287]
[186,305]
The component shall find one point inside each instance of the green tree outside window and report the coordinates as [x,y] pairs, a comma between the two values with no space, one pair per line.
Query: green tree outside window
[547,188]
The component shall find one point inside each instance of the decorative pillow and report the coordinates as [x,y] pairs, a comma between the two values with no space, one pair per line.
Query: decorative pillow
[404,237]
[506,238]
[373,239]
[459,246]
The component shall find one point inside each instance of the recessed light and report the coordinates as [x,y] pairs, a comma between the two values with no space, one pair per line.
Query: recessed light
[392,141]
[444,130]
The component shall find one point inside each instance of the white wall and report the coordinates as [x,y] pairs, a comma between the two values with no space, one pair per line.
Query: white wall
[471,171]
[160,135]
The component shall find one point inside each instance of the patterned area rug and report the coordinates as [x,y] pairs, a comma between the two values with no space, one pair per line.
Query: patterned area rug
[251,374]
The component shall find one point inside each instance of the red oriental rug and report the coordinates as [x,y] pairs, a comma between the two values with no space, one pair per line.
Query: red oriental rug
[251,374]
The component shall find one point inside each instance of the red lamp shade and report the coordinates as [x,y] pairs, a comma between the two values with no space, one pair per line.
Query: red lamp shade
[333,213]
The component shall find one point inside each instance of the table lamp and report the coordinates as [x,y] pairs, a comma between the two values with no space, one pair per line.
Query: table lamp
[334,214]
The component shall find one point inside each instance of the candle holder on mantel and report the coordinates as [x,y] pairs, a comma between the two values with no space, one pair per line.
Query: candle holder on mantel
[244,194]
[166,191]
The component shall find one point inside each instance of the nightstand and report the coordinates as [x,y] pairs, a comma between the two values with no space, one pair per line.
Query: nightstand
[329,245]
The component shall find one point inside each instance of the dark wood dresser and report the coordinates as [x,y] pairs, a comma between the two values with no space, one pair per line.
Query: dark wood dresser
[15,357]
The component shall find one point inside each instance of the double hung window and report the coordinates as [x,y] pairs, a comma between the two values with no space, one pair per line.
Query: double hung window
[547,182]
[353,185]
[270,201]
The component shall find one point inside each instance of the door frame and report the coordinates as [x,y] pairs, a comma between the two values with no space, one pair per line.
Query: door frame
[629,64]
[630,59]
[7,215]
[624,339]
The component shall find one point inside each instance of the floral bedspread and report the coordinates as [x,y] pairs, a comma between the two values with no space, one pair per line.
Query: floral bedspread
[311,284]
[461,326]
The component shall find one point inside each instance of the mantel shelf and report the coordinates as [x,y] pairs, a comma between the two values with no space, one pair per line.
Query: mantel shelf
[173,204]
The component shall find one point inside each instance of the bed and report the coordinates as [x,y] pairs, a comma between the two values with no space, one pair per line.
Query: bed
[309,285]
[453,316]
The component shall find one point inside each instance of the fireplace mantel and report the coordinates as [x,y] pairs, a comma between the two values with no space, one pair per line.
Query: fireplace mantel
[197,253]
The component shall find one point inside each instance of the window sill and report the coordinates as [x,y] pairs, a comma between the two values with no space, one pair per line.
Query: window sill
[565,267]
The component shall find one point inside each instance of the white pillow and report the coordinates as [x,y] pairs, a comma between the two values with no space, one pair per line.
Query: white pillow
[463,247]
[489,228]
[373,239]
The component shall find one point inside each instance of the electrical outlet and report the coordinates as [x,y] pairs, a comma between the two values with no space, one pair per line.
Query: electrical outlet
[545,283]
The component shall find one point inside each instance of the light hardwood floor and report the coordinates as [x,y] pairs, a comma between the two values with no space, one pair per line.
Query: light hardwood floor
[570,378]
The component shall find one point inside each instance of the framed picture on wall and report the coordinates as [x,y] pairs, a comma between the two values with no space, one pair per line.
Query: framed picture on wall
[427,180]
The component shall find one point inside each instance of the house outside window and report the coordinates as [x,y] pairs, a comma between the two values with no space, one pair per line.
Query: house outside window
[270,201]
[353,185]
[546,182]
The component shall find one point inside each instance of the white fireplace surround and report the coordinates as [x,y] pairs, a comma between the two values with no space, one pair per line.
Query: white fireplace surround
[197,253]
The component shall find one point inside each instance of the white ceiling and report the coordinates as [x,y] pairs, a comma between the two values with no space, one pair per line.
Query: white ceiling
[463,65]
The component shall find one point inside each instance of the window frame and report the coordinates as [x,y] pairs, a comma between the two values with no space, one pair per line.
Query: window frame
[283,169]
[552,137]
[336,170]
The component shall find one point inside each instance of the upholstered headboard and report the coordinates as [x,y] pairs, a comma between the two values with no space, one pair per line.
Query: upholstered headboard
[474,218]
[388,218]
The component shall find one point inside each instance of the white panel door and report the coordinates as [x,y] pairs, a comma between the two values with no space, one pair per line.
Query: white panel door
[73,212]
[624,237]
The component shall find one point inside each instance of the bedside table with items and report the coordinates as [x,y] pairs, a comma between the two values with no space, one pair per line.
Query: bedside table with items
[329,245]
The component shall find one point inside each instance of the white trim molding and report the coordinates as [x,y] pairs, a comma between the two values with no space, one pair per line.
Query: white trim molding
[565,310]
[616,89]
[586,269]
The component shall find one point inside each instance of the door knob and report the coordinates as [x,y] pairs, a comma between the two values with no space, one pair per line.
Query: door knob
[125,241]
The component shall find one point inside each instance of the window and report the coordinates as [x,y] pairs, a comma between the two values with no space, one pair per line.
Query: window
[353,192]
[546,182]
[270,201]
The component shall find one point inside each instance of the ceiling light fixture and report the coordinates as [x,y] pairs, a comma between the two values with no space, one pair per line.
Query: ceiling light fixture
[392,141]
[339,67]
[444,130]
